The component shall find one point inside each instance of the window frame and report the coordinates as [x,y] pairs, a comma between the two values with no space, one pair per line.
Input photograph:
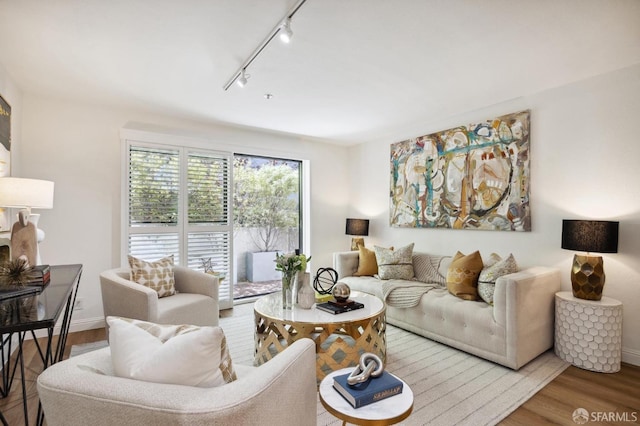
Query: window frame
[151,139]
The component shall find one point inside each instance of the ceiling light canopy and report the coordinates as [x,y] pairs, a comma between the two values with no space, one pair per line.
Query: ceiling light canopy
[283,29]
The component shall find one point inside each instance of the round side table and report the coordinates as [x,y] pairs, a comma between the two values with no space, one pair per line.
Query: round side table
[588,333]
[386,412]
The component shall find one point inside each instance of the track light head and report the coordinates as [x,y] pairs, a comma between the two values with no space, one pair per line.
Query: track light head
[285,31]
[242,80]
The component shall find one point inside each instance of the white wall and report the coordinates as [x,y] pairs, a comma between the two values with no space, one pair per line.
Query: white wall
[585,163]
[79,148]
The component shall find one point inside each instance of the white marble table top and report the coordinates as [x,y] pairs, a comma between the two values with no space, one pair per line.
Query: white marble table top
[271,306]
[392,409]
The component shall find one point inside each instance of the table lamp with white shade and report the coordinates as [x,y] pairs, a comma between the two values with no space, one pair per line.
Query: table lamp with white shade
[26,194]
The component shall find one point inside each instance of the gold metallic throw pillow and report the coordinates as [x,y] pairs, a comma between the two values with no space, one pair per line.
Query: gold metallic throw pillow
[395,264]
[462,277]
[367,265]
[156,275]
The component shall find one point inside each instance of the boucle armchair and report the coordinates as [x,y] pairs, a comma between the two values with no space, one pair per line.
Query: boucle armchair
[83,391]
[196,301]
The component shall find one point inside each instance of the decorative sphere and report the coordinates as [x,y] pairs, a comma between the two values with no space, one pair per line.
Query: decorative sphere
[341,292]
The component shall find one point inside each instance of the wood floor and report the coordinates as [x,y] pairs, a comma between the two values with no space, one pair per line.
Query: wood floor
[600,394]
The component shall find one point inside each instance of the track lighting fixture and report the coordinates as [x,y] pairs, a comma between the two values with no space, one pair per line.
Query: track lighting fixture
[242,80]
[283,29]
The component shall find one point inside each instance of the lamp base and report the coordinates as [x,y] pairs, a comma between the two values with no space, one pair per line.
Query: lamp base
[587,277]
[356,242]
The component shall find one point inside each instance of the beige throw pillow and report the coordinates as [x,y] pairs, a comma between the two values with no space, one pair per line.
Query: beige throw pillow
[176,354]
[156,275]
[462,277]
[495,269]
[395,264]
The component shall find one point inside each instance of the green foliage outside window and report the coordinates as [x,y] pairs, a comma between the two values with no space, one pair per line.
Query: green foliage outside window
[153,187]
[266,199]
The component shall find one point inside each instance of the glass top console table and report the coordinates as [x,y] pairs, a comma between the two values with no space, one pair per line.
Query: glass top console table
[38,311]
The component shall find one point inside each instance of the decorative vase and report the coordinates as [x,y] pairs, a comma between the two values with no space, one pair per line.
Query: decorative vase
[306,294]
[287,290]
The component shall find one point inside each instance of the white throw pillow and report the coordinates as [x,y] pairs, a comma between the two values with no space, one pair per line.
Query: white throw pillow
[195,357]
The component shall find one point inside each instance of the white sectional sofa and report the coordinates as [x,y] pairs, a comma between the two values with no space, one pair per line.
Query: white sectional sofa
[516,329]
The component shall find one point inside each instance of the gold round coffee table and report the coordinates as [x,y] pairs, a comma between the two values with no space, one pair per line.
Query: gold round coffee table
[340,339]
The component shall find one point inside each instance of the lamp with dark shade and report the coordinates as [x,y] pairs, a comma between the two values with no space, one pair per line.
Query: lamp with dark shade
[587,271]
[358,227]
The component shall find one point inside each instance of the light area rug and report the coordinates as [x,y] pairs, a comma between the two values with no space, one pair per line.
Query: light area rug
[450,387]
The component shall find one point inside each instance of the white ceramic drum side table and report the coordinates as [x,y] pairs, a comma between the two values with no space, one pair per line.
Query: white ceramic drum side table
[588,333]
[385,412]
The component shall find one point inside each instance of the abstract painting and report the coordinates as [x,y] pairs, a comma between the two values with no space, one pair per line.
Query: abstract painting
[469,177]
[5,154]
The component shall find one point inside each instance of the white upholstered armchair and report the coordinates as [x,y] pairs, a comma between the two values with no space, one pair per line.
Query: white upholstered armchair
[83,391]
[195,303]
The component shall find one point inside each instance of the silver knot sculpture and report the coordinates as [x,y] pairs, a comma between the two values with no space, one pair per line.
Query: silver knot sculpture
[370,365]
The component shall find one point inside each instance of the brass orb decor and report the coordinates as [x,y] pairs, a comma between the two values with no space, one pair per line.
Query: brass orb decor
[341,292]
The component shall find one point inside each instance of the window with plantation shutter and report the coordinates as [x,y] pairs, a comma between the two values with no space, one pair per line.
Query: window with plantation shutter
[209,229]
[178,204]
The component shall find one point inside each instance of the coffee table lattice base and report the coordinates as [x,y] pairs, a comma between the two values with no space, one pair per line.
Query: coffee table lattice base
[338,345]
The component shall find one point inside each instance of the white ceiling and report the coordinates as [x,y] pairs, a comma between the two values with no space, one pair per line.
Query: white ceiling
[356,70]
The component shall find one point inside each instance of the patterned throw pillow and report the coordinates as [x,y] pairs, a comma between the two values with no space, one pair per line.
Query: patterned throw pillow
[493,271]
[367,265]
[178,354]
[156,275]
[395,264]
[425,267]
[462,277]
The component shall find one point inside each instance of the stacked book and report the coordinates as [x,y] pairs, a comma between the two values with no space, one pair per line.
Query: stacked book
[334,307]
[373,390]
[40,276]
